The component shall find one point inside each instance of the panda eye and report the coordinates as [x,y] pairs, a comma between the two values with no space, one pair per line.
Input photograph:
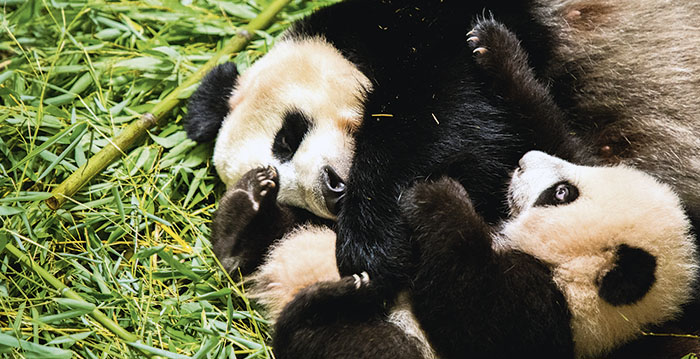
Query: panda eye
[558,194]
[288,139]
[561,193]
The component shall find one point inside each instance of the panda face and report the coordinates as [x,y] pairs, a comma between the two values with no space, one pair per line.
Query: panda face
[296,109]
[580,221]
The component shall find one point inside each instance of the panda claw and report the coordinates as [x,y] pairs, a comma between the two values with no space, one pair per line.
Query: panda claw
[480,51]
[473,39]
[358,281]
[361,279]
[267,183]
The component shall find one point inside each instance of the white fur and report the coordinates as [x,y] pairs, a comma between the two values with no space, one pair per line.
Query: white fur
[305,74]
[301,258]
[616,205]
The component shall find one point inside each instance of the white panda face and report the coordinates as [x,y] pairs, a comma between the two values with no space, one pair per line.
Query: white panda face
[577,231]
[297,109]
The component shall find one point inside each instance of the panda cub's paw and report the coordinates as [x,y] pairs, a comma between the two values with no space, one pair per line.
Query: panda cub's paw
[261,185]
[496,49]
[433,208]
[428,202]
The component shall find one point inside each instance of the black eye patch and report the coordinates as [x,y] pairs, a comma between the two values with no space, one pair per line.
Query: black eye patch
[559,193]
[295,126]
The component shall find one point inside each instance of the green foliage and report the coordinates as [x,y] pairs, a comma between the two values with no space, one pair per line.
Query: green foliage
[134,241]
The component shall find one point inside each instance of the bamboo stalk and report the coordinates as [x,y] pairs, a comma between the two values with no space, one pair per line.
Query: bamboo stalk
[135,130]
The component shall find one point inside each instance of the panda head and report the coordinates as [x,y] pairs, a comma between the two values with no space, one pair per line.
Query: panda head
[296,109]
[617,242]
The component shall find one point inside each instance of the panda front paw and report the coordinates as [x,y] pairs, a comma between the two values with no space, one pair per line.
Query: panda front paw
[261,185]
[428,204]
[493,45]
[245,222]
[442,218]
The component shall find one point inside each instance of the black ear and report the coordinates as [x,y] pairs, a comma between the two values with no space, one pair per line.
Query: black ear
[208,105]
[631,277]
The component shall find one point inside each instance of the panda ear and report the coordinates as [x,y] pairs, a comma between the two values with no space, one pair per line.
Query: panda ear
[208,105]
[630,278]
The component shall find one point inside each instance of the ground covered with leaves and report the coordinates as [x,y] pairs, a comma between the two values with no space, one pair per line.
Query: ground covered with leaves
[134,241]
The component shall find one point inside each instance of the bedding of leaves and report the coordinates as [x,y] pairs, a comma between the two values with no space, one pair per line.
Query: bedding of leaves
[134,241]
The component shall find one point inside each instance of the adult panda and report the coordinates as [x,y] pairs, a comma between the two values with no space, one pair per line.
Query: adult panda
[363,98]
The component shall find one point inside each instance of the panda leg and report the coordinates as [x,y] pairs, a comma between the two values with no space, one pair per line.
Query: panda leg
[498,52]
[248,220]
[340,319]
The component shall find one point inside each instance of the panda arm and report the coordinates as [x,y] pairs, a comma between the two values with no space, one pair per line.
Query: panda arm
[470,300]
[249,219]
[509,76]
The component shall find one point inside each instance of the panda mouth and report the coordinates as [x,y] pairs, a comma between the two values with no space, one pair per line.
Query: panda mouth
[333,189]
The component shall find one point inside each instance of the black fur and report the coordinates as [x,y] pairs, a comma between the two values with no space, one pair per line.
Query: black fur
[241,233]
[473,302]
[208,105]
[630,278]
[549,196]
[448,115]
[338,320]
[295,126]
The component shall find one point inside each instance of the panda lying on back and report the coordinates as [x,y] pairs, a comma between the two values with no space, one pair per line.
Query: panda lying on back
[590,258]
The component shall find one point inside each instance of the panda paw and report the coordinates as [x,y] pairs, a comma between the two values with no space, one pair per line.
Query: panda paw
[493,45]
[261,186]
[428,203]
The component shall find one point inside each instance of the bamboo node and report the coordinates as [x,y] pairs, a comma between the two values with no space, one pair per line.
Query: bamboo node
[149,119]
[245,33]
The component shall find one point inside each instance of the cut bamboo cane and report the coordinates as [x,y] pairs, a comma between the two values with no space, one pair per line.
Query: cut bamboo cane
[135,130]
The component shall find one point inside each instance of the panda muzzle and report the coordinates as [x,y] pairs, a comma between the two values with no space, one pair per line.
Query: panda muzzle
[333,189]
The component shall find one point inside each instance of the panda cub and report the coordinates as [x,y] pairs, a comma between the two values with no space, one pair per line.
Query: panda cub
[590,257]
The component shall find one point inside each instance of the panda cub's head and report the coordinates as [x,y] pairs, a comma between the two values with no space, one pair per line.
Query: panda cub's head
[617,240]
[296,109]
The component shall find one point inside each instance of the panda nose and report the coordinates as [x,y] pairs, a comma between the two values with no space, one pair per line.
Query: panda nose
[333,189]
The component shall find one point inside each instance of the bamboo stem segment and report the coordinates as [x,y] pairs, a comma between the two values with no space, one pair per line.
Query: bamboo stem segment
[137,129]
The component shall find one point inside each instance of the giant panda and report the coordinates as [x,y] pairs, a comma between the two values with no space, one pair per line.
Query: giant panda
[589,259]
[363,98]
